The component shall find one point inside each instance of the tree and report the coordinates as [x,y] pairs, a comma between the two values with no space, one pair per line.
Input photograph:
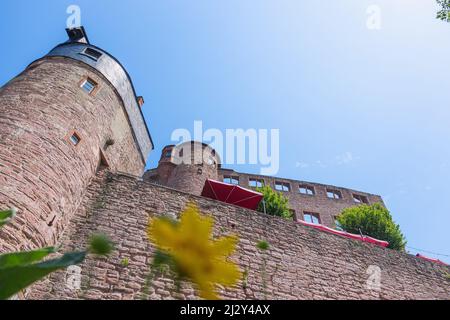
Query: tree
[374,221]
[275,203]
[444,13]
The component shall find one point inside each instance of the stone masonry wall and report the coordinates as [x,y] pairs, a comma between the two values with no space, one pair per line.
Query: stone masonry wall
[302,263]
[41,172]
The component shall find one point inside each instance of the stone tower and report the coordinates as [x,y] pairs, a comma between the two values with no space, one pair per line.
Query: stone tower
[66,116]
[186,167]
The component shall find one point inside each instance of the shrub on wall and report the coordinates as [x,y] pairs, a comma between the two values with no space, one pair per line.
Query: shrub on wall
[374,221]
[274,203]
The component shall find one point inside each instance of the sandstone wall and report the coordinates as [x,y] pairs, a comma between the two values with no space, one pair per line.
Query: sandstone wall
[302,263]
[41,172]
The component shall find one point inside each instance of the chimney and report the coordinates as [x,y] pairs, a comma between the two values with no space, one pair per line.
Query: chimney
[140,101]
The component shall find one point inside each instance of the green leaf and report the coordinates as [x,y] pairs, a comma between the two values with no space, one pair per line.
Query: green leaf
[263,245]
[100,244]
[24,258]
[6,215]
[17,278]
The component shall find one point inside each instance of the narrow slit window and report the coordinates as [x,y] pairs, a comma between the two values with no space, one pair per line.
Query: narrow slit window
[89,85]
[75,139]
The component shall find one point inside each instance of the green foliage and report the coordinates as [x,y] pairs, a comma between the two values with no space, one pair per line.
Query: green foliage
[17,277]
[275,203]
[263,245]
[125,262]
[444,13]
[100,245]
[6,216]
[374,221]
[20,269]
[447,276]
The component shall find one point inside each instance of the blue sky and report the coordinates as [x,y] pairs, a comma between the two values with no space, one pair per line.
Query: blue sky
[364,109]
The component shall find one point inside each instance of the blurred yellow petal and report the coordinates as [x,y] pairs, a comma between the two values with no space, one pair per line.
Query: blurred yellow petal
[195,226]
[196,255]
[207,291]
[226,273]
[225,245]
[163,233]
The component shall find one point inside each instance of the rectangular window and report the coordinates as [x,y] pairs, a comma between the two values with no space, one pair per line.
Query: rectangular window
[308,190]
[311,217]
[91,53]
[282,186]
[75,139]
[231,180]
[334,194]
[89,85]
[360,199]
[256,183]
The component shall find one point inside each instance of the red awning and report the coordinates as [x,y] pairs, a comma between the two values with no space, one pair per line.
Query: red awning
[431,259]
[346,234]
[232,194]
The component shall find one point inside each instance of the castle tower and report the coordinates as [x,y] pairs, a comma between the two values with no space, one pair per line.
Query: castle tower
[64,117]
[186,167]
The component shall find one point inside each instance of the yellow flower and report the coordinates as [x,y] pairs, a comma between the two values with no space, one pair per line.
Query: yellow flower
[197,257]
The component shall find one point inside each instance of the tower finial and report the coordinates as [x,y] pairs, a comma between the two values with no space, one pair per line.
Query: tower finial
[77,34]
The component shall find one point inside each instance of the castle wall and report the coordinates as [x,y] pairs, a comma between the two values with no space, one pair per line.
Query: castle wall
[301,263]
[42,173]
[319,203]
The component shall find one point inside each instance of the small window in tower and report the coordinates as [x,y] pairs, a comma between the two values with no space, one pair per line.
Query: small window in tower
[168,154]
[256,183]
[334,194]
[282,186]
[91,53]
[89,85]
[75,139]
[308,190]
[360,199]
[231,180]
[311,217]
